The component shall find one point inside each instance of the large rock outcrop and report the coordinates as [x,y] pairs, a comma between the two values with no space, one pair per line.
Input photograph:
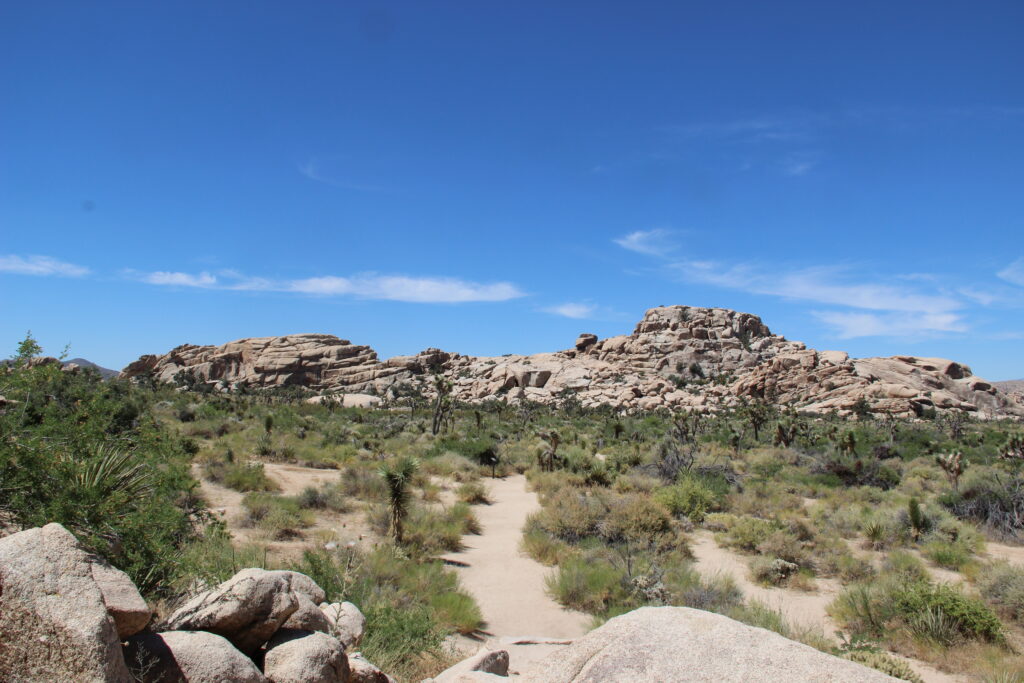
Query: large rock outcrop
[679,644]
[678,357]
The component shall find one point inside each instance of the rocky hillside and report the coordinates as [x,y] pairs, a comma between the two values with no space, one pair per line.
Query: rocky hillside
[677,357]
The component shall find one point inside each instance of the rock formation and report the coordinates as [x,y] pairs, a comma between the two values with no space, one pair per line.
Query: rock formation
[678,357]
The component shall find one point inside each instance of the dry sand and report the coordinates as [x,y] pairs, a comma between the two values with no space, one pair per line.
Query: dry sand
[508,585]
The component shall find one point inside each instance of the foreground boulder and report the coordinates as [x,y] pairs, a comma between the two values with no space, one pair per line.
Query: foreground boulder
[188,657]
[54,624]
[295,656]
[247,609]
[676,644]
[124,603]
[347,622]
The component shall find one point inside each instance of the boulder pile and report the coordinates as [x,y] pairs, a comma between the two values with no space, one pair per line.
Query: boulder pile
[66,615]
[678,357]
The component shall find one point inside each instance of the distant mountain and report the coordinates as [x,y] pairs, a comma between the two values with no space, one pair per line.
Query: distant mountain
[1010,385]
[105,373]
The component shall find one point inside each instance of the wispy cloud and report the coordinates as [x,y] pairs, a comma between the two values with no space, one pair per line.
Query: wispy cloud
[40,265]
[204,280]
[850,325]
[657,242]
[576,311]
[799,163]
[311,170]
[410,289]
[897,306]
[364,286]
[1013,273]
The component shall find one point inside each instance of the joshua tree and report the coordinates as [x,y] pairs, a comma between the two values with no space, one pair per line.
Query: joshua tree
[1014,450]
[442,404]
[397,477]
[848,444]
[550,454]
[758,414]
[786,431]
[953,464]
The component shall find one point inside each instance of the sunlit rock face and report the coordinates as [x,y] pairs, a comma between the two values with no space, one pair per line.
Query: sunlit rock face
[678,357]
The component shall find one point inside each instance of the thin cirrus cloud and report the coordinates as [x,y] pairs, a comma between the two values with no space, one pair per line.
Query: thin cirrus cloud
[575,311]
[41,266]
[365,286]
[880,308]
[311,170]
[657,242]
[1013,273]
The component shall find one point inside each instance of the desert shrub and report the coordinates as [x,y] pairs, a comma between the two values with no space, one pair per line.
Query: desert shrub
[542,547]
[325,497]
[772,571]
[362,483]
[281,517]
[1002,584]
[634,519]
[458,610]
[211,559]
[429,531]
[885,663]
[905,566]
[587,584]
[851,568]
[746,533]
[784,545]
[691,498]
[88,454]
[571,516]
[937,612]
[949,554]
[714,594]
[473,493]
[407,604]
[991,499]
[240,476]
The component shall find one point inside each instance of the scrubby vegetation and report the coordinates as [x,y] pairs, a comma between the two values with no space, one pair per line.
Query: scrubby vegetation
[897,513]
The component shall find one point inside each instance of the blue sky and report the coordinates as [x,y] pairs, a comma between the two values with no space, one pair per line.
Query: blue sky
[499,177]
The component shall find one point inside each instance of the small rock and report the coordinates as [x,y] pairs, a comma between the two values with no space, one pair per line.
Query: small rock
[124,603]
[188,657]
[308,617]
[295,656]
[485,661]
[348,623]
[362,671]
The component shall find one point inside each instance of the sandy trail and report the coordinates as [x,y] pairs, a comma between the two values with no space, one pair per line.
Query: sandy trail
[291,479]
[506,584]
[798,607]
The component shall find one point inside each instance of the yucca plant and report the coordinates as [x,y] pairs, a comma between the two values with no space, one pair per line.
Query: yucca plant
[953,464]
[397,477]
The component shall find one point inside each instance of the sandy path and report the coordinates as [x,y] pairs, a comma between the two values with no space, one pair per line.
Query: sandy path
[799,608]
[506,584]
[292,479]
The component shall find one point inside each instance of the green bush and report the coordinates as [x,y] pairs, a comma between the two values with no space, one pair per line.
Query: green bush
[1002,584]
[587,585]
[473,493]
[87,454]
[280,517]
[689,498]
[746,533]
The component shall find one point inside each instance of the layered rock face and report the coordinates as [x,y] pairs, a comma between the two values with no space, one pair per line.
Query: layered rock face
[677,357]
